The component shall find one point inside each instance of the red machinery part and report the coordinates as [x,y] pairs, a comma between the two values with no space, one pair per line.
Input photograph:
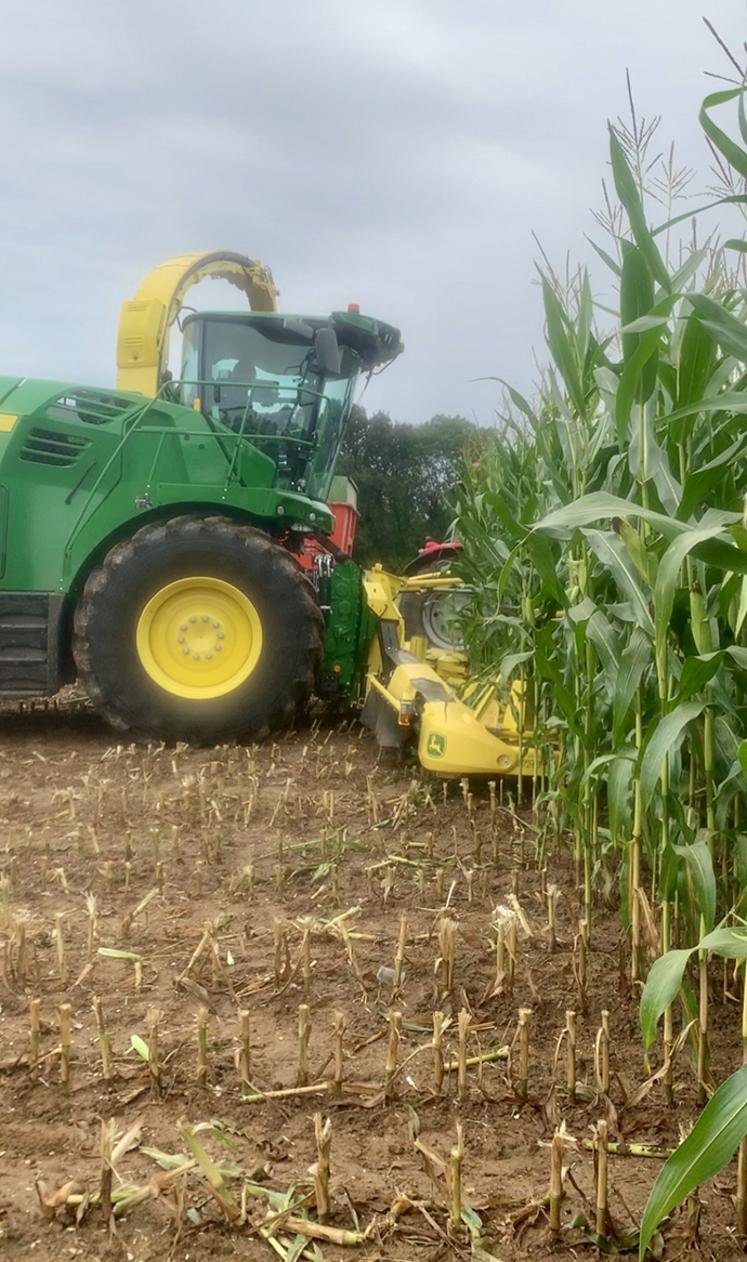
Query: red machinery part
[342,537]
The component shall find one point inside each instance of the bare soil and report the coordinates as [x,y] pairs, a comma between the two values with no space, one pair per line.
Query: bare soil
[325,827]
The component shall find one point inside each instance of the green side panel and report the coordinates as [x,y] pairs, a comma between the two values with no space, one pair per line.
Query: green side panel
[82,467]
[349,629]
[3,529]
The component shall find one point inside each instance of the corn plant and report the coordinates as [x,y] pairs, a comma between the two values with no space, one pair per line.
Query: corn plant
[605,541]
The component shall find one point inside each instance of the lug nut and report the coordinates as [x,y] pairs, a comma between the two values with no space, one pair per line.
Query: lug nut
[196,656]
[216,623]
[219,648]
[205,618]
[180,639]
[183,627]
[193,618]
[185,650]
[221,635]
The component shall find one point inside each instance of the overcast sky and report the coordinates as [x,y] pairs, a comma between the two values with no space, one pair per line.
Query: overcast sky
[395,153]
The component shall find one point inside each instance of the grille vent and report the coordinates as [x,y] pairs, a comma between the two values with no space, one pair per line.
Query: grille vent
[47,446]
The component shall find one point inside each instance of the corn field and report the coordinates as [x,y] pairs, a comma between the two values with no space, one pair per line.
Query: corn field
[605,541]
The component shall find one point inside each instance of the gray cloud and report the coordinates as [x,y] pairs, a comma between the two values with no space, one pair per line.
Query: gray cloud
[395,153]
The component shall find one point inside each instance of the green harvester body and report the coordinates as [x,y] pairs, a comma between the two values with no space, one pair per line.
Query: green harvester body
[83,468]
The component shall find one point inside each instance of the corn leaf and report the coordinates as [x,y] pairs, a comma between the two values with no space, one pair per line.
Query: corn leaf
[669,574]
[561,345]
[627,191]
[613,554]
[666,974]
[166,1160]
[728,331]
[734,154]
[701,480]
[699,866]
[635,658]
[665,738]
[730,943]
[619,785]
[600,505]
[662,985]
[636,301]
[140,1046]
[710,1145]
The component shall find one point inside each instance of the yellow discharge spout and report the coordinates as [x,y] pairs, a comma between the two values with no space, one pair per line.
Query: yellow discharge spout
[145,321]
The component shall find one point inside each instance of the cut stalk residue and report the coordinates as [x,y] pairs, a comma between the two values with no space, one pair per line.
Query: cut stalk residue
[523,1040]
[439,885]
[245,1051]
[65,1051]
[513,953]
[279,942]
[556,1181]
[320,1170]
[304,1034]
[106,1148]
[395,1024]
[103,1038]
[455,1182]
[20,966]
[570,1053]
[439,1025]
[399,959]
[372,803]
[602,1057]
[463,1022]
[35,1032]
[600,1154]
[552,908]
[500,958]
[306,962]
[582,966]
[447,954]
[91,932]
[136,911]
[59,943]
[153,1017]
[339,1052]
[202,1039]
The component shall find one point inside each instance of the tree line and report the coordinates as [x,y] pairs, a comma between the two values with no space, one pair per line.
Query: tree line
[405,476]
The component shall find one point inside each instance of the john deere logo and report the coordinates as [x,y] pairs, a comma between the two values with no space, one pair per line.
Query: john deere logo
[436,745]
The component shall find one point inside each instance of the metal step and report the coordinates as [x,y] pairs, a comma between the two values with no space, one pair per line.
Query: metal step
[30,643]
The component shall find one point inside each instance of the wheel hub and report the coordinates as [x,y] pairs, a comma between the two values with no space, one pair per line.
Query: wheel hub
[199,637]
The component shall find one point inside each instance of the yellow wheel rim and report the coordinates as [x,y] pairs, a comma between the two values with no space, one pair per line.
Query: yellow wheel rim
[199,638]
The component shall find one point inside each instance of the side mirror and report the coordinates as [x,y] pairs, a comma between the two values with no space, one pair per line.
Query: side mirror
[327,351]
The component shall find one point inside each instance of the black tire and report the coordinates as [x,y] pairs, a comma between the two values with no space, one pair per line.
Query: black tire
[411,604]
[104,640]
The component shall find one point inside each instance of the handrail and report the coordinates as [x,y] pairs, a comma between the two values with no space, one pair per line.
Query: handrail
[133,425]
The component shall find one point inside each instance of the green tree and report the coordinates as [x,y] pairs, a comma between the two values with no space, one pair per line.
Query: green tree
[405,475]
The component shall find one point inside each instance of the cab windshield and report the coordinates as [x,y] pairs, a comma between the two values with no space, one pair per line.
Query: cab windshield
[259,378]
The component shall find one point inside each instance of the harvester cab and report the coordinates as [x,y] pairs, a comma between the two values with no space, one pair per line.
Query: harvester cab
[284,384]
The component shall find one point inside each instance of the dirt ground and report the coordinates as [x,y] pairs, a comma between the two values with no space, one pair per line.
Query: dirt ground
[269,847]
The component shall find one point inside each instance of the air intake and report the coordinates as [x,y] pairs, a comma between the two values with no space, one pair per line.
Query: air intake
[93,407]
[46,446]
